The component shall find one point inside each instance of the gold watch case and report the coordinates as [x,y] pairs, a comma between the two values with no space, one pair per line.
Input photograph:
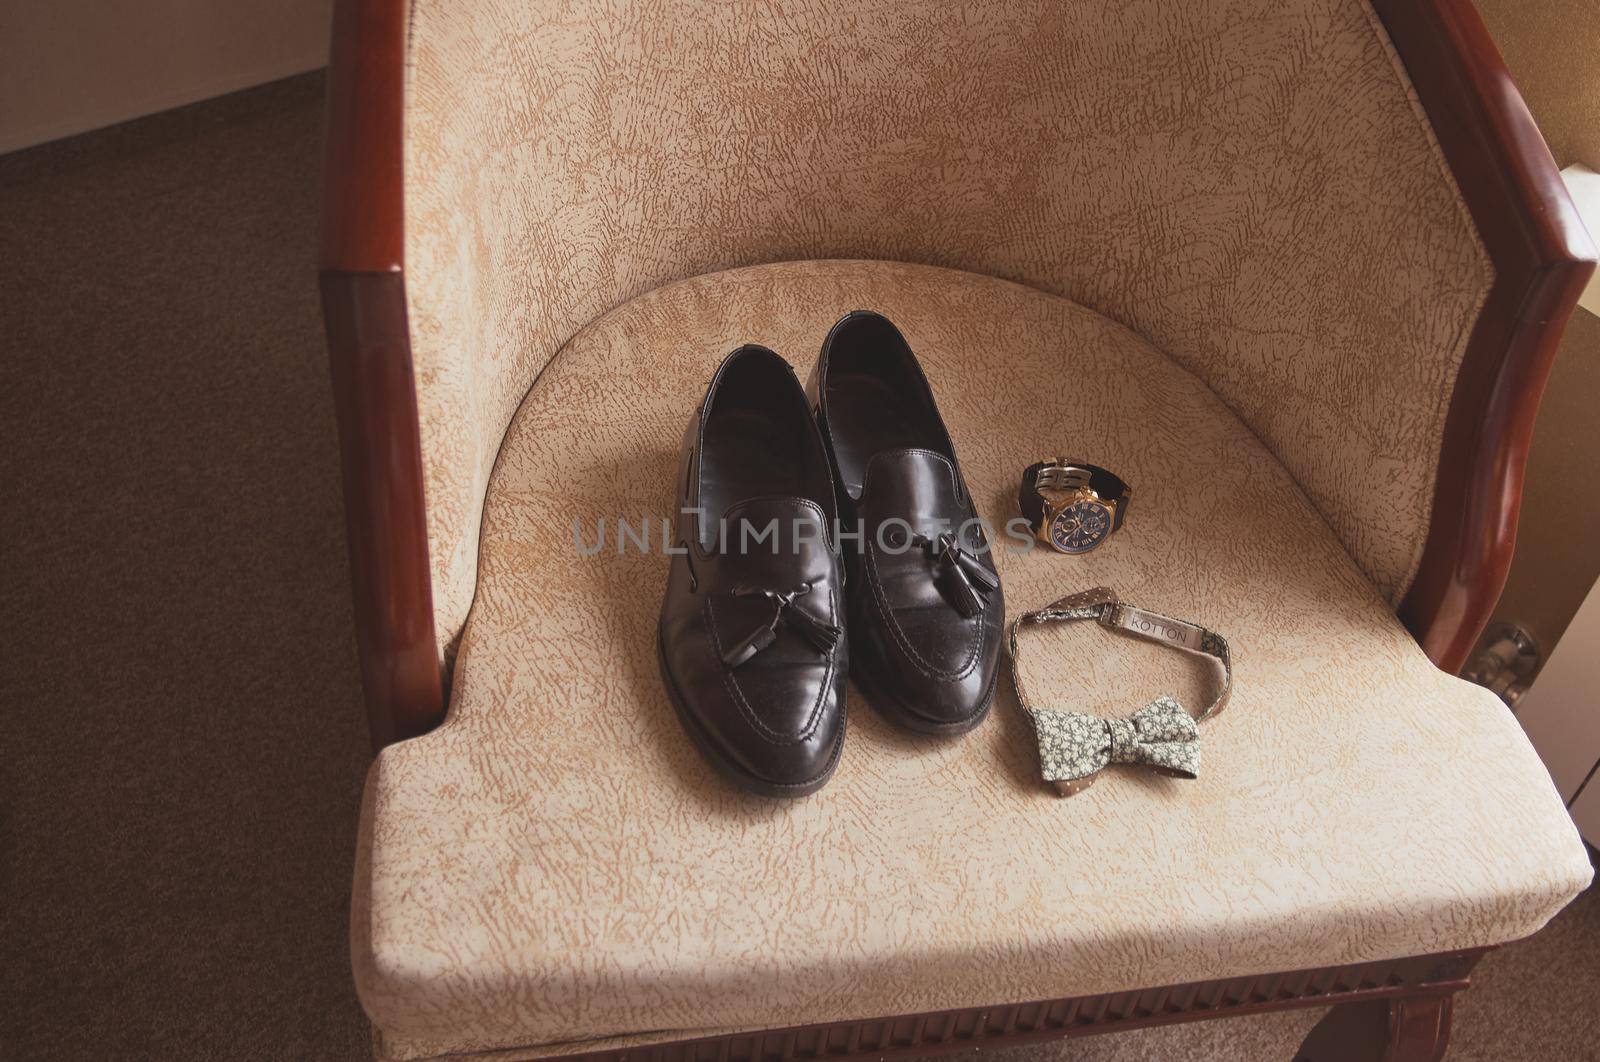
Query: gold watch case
[1076,519]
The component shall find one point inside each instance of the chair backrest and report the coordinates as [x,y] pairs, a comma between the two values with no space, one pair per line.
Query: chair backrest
[1254,186]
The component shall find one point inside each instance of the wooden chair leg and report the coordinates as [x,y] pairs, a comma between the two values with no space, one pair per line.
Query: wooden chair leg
[1393,1030]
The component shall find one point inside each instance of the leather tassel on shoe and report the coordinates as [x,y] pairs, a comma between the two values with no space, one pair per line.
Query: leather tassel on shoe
[822,636]
[976,572]
[962,594]
[960,574]
[758,640]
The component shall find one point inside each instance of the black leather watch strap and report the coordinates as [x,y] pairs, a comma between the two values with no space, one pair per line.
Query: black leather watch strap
[1102,481]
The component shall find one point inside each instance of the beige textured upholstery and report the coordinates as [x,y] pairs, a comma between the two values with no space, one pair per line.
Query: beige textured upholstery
[1247,183]
[556,863]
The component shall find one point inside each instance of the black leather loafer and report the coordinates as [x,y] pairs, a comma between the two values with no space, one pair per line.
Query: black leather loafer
[925,608]
[751,637]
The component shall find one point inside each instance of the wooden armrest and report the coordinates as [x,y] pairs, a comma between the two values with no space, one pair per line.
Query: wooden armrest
[1542,257]
[363,207]
[369,351]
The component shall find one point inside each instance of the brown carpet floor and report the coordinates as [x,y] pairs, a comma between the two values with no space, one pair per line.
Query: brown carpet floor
[183,737]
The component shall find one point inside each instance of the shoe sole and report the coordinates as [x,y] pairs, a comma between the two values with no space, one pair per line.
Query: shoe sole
[726,766]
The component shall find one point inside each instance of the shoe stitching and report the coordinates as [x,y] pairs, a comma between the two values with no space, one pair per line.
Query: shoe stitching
[763,731]
[900,639]
[827,768]
[883,604]
[955,477]
[982,707]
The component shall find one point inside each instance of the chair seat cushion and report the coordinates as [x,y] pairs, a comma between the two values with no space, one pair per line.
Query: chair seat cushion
[556,865]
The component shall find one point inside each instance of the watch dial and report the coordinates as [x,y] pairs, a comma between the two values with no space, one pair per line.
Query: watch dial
[1080,527]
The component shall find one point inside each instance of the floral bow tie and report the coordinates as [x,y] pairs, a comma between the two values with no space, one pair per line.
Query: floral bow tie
[1073,747]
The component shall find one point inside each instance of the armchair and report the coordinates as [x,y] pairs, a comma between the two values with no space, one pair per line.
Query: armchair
[1297,270]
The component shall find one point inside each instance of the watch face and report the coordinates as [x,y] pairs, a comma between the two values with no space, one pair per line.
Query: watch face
[1080,527]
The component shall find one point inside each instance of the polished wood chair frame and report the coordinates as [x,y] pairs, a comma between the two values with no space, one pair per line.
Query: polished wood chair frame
[1397,1010]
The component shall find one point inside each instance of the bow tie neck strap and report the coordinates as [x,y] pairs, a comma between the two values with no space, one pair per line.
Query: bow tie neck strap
[1162,736]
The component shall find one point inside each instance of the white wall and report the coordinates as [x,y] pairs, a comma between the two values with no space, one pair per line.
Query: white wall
[67,66]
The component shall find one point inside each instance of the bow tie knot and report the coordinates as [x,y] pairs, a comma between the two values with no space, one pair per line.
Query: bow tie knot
[1074,747]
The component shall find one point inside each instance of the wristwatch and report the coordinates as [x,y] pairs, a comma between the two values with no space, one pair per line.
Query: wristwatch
[1071,506]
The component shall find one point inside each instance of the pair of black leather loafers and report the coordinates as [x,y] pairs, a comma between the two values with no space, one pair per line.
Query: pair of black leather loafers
[822,534]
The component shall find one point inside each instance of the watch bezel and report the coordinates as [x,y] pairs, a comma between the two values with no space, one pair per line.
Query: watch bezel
[1055,506]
